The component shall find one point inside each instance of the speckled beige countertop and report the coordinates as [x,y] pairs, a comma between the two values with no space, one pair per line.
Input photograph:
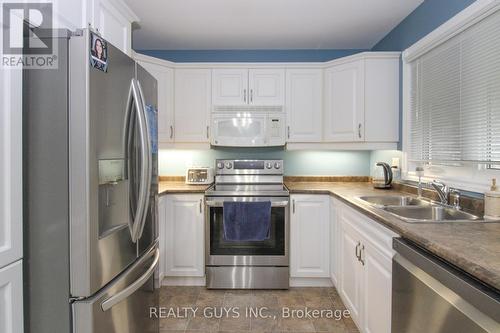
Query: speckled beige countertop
[473,247]
[165,187]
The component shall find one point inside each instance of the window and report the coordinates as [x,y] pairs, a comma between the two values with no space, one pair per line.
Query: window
[453,100]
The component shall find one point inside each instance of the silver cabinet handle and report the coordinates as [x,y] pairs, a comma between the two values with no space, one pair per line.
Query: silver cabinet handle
[359,130]
[244,95]
[201,203]
[288,130]
[293,206]
[357,250]
[171,132]
[251,95]
[362,254]
[208,132]
[122,295]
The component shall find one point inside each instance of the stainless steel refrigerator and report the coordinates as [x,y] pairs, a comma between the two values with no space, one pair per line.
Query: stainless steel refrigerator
[90,191]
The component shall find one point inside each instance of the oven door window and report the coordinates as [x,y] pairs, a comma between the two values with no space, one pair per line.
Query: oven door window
[274,246]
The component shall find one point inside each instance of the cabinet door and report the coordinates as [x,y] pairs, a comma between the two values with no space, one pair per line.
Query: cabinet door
[304,105]
[162,227]
[377,289]
[267,86]
[192,105]
[350,270]
[344,109]
[309,236]
[11,195]
[114,20]
[11,298]
[184,228]
[230,86]
[382,100]
[335,209]
[165,78]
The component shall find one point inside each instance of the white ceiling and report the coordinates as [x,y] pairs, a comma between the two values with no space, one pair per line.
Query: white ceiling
[265,24]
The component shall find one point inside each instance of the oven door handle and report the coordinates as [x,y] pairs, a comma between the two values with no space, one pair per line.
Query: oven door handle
[213,203]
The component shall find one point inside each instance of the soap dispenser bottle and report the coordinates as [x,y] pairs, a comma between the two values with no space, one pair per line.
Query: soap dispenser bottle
[492,202]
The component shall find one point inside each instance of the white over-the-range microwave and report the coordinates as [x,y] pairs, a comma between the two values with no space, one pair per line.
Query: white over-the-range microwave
[248,126]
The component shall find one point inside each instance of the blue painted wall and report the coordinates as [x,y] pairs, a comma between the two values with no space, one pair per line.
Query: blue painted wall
[297,163]
[424,19]
[249,55]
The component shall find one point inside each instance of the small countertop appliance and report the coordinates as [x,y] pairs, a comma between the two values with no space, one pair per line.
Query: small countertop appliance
[382,176]
[199,175]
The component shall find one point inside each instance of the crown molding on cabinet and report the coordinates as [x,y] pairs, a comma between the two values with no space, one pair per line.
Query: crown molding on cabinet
[354,57]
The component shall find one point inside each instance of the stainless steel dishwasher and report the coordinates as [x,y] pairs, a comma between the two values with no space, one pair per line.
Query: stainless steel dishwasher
[431,296]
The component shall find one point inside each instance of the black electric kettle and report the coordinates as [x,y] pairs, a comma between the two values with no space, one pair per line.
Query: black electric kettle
[382,175]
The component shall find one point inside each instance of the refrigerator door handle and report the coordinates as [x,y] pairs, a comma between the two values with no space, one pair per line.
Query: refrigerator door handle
[149,174]
[122,295]
[135,102]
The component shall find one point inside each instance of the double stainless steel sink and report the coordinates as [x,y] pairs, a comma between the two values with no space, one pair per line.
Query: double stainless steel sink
[416,210]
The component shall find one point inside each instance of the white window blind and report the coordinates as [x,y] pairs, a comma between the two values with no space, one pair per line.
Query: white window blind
[455,98]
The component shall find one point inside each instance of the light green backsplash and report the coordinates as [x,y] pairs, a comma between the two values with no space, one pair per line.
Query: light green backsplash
[297,163]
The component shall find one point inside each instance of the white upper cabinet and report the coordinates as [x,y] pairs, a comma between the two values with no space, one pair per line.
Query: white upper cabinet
[309,236]
[165,77]
[230,86]
[243,86]
[362,99]
[344,103]
[113,19]
[382,99]
[304,105]
[267,86]
[192,104]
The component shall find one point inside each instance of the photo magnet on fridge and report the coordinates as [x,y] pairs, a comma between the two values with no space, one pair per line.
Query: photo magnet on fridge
[98,52]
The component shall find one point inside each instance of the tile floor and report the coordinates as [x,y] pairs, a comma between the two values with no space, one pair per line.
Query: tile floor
[271,302]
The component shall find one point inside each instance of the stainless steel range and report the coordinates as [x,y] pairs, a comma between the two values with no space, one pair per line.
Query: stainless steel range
[248,264]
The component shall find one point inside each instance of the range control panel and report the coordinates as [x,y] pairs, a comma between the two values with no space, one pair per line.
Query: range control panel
[261,167]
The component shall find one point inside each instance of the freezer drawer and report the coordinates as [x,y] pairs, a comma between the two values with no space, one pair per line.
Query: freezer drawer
[124,305]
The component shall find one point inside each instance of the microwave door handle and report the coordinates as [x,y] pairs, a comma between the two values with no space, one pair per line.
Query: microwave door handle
[142,196]
[149,159]
[130,289]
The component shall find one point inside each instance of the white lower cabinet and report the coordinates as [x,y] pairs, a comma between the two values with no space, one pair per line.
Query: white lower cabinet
[309,236]
[182,228]
[351,271]
[334,242]
[366,271]
[11,298]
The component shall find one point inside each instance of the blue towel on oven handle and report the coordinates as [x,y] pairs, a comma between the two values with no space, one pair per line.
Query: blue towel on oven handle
[247,221]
